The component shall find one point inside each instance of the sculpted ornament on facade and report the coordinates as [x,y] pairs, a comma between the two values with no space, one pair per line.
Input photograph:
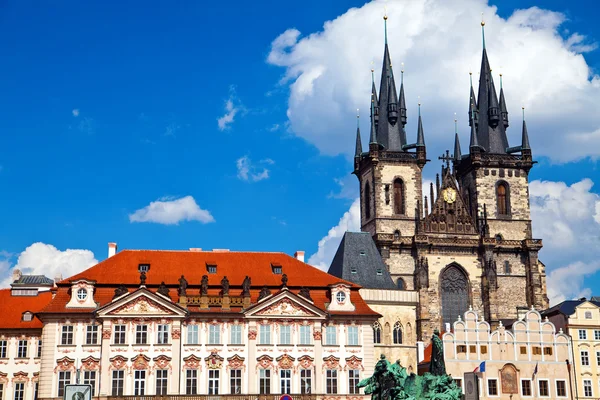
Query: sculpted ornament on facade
[65,364]
[90,363]
[306,362]
[176,333]
[214,361]
[285,307]
[317,335]
[162,362]
[192,362]
[118,363]
[236,362]
[285,362]
[140,362]
[331,362]
[106,333]
[252,332]
[353,363]
[265,362]
[141,305]
[20,377]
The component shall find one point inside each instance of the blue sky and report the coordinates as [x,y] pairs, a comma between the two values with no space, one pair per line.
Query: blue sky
[106,107]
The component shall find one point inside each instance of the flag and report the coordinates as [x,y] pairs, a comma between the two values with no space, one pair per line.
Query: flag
[534,371]
[481,367]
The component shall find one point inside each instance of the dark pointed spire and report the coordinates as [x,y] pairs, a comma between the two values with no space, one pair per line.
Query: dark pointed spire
[503,110]
[457,153]
[402,102]
[358,150]
[373,138]
[374,96]
[420,134]
[474,143]
[472,103]
[493,106]
[431,195]
[392,100]
[525,137]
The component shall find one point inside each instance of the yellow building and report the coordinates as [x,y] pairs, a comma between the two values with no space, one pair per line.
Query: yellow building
[581,320]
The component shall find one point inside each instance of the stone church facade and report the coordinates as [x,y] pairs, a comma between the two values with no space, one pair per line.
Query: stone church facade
[466,241]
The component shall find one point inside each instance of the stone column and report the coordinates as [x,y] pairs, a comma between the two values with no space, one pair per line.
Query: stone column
[105,378]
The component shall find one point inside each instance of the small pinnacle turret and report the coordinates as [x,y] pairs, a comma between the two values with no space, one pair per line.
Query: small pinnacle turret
[472,103]
[358,149]
[392,100]
[374,96]
[420,134]
[402,104]
[524,136]
[457,153]
[503,110]
[373,138]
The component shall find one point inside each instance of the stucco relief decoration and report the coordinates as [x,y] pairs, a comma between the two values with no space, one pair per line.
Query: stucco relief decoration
[118,363]
[176,333]
[252,332]
[106,333]
[306,362]
[508,377]
[140,362]
[162,362]
[353,363]
[236,362]
[65,364]
[317,334]
[285,307]
[192,362]
[90,363]
[36,377]
[214,361]
[141,305]
[264,362]
[20,377]
[285,362]
[3,378]
[331,362]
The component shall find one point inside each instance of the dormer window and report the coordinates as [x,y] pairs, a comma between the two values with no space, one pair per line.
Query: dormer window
[363,253]
[379,271]
[211,268]
[82,294]
[353,271]
[276,269]
[340,297]
[27,316]
[143,268]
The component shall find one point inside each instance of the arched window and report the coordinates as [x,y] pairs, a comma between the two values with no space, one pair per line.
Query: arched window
[367,201]
[499,237]
[376,333]
[502,198]
[455,294]
[507,268]
[400,283]
[397,333]
[396,234]
[398,196]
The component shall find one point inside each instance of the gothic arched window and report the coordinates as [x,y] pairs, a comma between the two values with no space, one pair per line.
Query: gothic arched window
[367,201]
[400,283]
[507,268]
[396,235]
[398,196]
[376,333]
[455,293]
[502,198]
[397,333]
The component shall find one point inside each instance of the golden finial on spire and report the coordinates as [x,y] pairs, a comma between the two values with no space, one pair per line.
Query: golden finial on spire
[385,12]
[482,20]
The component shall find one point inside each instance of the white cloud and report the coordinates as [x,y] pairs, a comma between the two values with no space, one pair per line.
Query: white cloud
[45,259]
[232,107]
[169,211]
[328,245]
[75,112]
[439,41]
[249,172]
[347,188]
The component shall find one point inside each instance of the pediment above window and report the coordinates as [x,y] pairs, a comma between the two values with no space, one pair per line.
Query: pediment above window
[285,305]
[144,303]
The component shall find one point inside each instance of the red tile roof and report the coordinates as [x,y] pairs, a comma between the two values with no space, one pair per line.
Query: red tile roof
[13,307]
[168,266]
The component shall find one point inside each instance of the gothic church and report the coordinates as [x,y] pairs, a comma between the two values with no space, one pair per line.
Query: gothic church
[467,240]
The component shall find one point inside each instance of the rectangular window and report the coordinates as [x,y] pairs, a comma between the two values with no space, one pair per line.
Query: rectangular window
[67,335]
[3,349]
[19,391]
[119,337]
[211,269]
[191,381]
[543,389]
[353,379]
[331,381]
[561,389]
[525,387]
[235,381]
[36,387]
[587,388]
[235,334]
[304,334]
[523,350]
[582,334]
[473,349]
[89,378]
[585,358]
[163,334]
[64,378]
[285,334]
[352,336]
[547,351]
[598,358]
[537,351]
[492,385]
[91,334]
[483,349]
[214,334]
[305,381]
[461,348]
[161,381]
[22,349]
[264,380]
[141,334]
[286,381]
[265,334]
[213,381]
[2,391]
[192,334]
[39,351]
[330,335]
[139,383]
[596,335]
[118,378]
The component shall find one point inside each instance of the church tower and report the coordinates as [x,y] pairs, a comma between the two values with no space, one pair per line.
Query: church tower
[390,174]
[467,241]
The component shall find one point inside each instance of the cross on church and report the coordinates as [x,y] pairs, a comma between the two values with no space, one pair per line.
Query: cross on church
[446,157]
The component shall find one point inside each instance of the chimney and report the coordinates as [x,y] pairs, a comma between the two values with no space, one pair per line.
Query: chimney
[57,277]
[112,249]
[299,255]
[195,249]
[220,250]
[16,274]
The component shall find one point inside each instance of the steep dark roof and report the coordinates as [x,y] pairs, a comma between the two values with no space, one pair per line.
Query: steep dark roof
[33,280]
[357,252]
[568,307]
